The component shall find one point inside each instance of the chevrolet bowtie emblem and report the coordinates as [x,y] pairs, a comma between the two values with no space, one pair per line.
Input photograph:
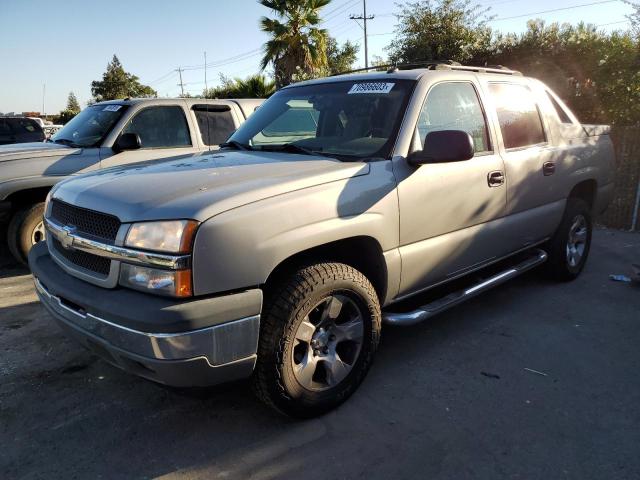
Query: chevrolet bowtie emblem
[66,237]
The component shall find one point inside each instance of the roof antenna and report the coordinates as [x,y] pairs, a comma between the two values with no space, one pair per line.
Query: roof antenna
[206,91]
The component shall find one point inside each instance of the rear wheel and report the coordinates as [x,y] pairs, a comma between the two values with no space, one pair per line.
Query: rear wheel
[319,332]
[25,230]
[569,247]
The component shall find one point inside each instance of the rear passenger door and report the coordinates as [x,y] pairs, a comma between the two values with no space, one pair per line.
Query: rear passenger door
[164,132]
[529,158]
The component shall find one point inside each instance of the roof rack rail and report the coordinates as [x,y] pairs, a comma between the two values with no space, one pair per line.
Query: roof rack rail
[434,65]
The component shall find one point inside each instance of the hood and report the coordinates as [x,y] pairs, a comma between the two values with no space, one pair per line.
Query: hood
[200,186]
[21,151]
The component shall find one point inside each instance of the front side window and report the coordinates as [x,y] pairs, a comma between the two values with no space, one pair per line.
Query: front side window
[90,126]
[518,115]
[454,106]
[215,123]
[346,120]
[160,127]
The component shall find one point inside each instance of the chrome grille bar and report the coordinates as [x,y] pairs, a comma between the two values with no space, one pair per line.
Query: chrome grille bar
[71,240]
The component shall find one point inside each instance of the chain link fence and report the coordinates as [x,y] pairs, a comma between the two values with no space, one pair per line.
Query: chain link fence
[623,212]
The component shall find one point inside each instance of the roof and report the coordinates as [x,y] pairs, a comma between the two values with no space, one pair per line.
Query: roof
[412,74]
[189,100]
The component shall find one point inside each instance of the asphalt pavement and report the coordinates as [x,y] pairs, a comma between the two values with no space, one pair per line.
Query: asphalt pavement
[533,380]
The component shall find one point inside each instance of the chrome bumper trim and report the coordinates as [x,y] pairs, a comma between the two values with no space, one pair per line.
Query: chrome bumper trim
[68,239]
[220,344]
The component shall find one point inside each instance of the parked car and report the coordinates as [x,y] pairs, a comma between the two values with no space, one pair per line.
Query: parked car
[20,130]
[109,133]
[280,259]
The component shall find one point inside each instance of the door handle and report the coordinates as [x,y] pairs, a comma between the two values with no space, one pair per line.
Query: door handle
[495,179]
[548,168]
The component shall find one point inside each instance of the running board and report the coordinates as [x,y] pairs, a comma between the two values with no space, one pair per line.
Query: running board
[440,305]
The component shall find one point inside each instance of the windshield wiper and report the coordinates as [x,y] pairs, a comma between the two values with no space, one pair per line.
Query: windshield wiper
[67,142]
[290,148]
[235,144]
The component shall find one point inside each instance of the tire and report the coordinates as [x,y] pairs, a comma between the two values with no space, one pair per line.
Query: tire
[331,295]
[568,249]
[25,229]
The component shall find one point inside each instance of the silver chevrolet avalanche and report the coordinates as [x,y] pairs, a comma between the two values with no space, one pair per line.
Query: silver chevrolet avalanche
[280,256]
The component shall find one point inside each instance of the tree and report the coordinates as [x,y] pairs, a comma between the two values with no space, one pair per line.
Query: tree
[255,86]
[595,72]
[117,83]
[297,44]
[341,58]
[440,30]
[72,103]
[634,18]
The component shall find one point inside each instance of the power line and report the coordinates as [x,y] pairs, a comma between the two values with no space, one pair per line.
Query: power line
[552,10]
[329,17]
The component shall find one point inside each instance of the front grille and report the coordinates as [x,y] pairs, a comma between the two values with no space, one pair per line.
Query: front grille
[89,222]
[87,261]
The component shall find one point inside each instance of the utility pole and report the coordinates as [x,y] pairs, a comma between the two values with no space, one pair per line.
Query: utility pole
[181,84]
[364,19]
[205,72]
[44,91]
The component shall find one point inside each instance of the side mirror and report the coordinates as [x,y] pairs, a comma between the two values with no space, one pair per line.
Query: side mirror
[127,141]
[444,146]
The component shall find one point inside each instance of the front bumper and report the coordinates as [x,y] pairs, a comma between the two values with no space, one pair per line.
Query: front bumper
[197,342]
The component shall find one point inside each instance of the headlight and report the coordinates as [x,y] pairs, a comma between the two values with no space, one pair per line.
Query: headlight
[174,236]
[176,283]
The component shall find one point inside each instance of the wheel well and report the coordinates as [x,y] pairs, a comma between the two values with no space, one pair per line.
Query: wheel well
[585,190]
[362,253]
[28,197]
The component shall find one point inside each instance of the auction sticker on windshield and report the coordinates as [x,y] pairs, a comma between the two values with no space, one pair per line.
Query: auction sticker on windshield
[371,87]
[111,108]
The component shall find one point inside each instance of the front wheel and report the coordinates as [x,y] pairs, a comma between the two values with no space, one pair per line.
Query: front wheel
[25,230]
[569,247]
[319,332]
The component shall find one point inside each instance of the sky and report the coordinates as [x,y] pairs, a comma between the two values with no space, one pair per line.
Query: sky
[58,47]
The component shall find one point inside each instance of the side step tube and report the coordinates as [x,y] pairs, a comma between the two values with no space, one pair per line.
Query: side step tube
[440,305]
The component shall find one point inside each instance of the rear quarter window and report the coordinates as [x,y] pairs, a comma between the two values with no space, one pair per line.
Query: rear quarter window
[563,116]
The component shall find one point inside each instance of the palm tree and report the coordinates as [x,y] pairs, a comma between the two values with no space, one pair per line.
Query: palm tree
[255,86]
[297,44]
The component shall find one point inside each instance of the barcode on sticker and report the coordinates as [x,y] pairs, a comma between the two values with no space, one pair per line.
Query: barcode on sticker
[371,87]
[111,108]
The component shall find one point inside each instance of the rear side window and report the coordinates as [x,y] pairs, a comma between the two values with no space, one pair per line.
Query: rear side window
[454,106]
[24,125]
[518,115]
[160,127]
[215,123]
[562,114]
[4,127]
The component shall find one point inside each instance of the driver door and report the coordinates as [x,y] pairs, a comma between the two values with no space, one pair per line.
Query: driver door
[449,212]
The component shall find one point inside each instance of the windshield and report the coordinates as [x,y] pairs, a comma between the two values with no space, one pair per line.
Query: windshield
[90,126]
[347,120]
